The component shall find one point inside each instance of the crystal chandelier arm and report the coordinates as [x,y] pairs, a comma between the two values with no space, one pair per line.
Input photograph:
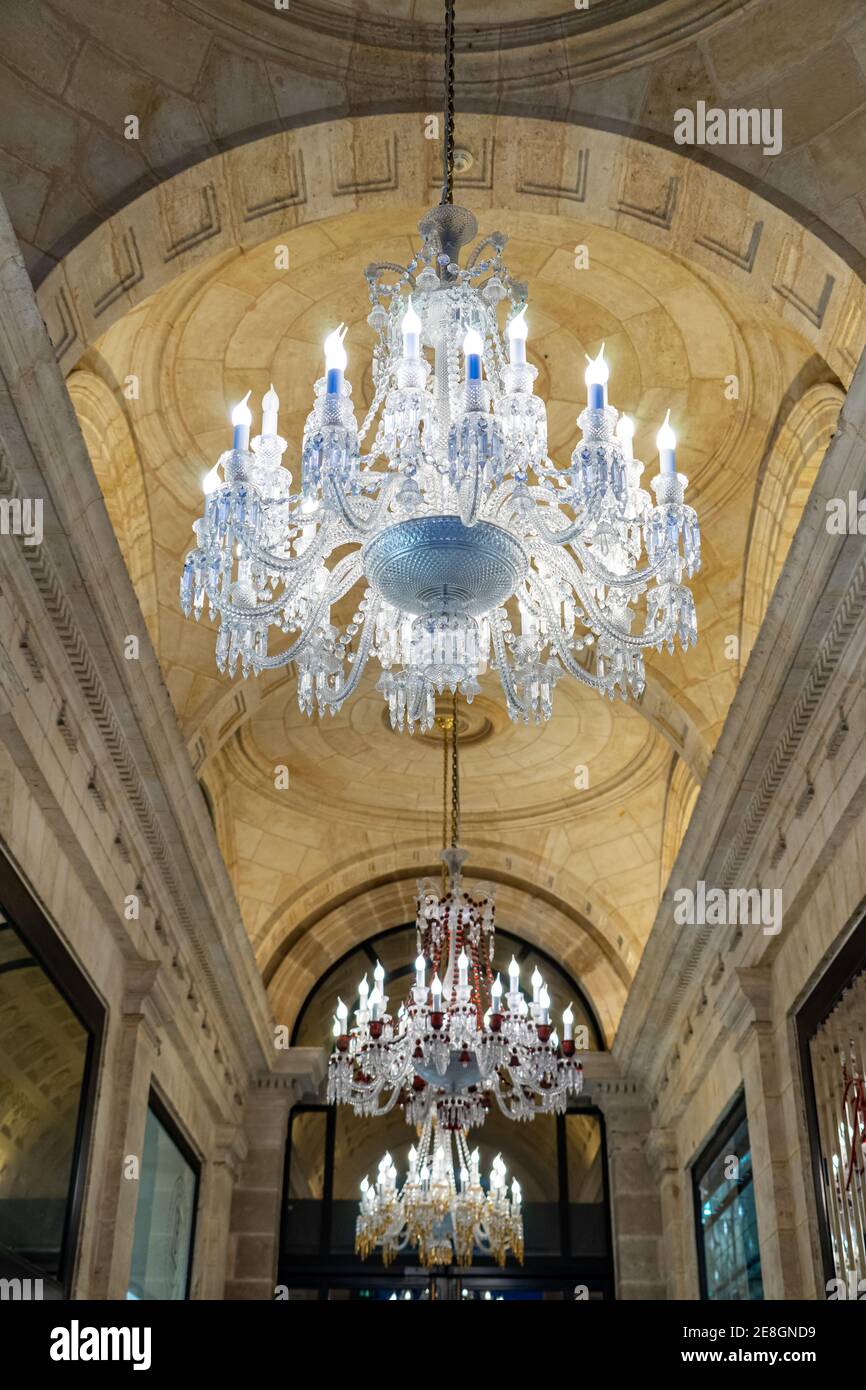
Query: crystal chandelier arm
[502,666]
[336,698]
[359,525]
[300,564]
[344,576]
[559,643]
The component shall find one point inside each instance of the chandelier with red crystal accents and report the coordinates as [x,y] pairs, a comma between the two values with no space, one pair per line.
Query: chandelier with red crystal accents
[461,1040]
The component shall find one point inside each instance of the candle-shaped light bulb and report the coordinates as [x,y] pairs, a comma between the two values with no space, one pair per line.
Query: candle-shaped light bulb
[568,1024]
[410,326]
[336,1030]
[413,1158]
[544,1005]
[496,994]
[463,968]
[335,360]
[596,376]
[536,982]
[375,1003]
[513,976]
[365,1183]
[436,991]
[211,481]
[270,411]
[517,332]
[666,443]
[516,1192]
[420,963]
[363,991]
[464,1176]
[625,435]
[554,1040]
[473,346]
[242,418]
[379,974]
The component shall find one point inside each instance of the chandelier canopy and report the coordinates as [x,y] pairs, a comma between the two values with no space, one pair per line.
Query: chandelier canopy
[462,1040]
[445,1214]
[436,536]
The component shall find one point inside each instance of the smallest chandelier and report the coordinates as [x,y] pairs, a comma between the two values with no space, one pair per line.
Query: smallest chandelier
[445,1214]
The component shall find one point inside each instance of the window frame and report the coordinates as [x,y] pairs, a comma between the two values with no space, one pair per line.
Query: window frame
[730,1121]
[164,1116]
[24,915]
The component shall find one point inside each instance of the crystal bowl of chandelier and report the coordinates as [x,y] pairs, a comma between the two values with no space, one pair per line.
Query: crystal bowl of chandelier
[445,1215]
[447,1053]
[454,544]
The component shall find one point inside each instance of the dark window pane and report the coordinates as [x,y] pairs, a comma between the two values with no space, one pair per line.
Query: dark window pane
[164,1216]
[306,1182]
[728,1230]
[43,1059]
[586,1209]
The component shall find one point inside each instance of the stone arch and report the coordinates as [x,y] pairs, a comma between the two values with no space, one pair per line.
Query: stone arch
[255,192]
[800,441]
[538,916]
[117,465]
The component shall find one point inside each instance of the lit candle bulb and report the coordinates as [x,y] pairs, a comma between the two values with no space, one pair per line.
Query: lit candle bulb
[473,346]
[335,360]
[536,982]
[411,329]
[496,994]
[625,435]
[342,1012]
[436,991]
[212,480]
[517,332]
[242,418]
[375,1003]
[379,976]
[419,972]
[596,376]
[363,991]
[513,976]
[413,1160]
[568,1024]
[270,411]
[543,1005]
[463,968]
[336,1030]
[554,1040]
[464,1177]
[516,1192]
[666,443]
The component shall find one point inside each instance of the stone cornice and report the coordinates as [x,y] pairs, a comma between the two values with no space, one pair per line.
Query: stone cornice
[142,761]
[799,668]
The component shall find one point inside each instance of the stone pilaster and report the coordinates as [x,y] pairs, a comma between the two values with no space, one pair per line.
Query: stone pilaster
[748,1015]
[218,1178]
[636,1213]
[674,1194]
[133,1044]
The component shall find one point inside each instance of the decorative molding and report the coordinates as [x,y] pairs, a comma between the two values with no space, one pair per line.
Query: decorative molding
[209,225]
[574,194]
[661,215]
[295,195]
[743,260]
[385,183]
[784,276]
[128,278]
[69,333]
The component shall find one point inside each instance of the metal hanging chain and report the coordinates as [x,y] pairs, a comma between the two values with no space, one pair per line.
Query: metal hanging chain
[448,140]
[455,777]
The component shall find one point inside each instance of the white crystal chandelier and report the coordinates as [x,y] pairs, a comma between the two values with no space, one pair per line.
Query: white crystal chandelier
[462,1040]
[442,1210]
[437,536]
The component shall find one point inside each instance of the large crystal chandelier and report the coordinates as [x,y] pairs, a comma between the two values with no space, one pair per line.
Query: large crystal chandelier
[442,1210]
[437,536]
[462,1040]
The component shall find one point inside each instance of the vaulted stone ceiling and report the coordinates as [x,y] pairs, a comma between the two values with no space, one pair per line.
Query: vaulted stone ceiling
[155,261]
[322,863]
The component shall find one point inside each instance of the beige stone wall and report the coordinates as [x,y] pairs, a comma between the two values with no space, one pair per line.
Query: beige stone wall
[712,1009]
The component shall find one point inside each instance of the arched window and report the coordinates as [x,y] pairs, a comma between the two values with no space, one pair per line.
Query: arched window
[559,1161]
